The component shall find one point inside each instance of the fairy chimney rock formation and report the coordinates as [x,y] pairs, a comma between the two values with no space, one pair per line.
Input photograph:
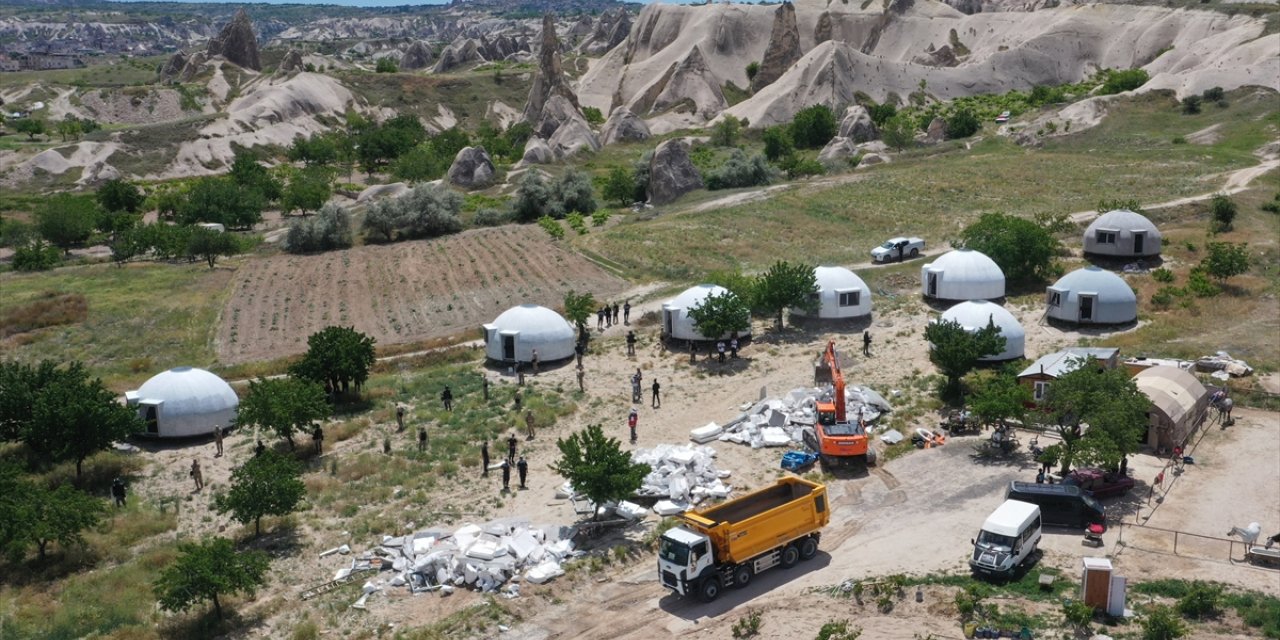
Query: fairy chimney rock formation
[550,82]
[237,43]
[783,49]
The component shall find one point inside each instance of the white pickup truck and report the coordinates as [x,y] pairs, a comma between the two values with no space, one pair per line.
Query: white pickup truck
[897,249]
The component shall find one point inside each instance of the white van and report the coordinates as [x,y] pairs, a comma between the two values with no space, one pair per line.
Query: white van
[1008,538]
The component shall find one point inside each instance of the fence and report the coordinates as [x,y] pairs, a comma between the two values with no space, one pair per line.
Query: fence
[1179,543]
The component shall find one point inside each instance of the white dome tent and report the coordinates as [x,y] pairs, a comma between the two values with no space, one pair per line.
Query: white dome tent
[676,323]
[513,336]
[1122,233]
[977,314]
[841,294]
[184,402]
[962,274]
[1091,295]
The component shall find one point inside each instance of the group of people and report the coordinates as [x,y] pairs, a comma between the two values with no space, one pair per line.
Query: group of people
[607,316]
[512,460]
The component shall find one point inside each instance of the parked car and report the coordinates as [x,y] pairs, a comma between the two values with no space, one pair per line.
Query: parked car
[1003,117]
[897,249]
[1099,483]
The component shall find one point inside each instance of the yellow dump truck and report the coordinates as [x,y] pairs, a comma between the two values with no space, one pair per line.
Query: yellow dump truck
[726,545]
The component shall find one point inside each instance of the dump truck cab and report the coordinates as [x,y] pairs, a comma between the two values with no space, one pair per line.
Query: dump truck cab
[683,556]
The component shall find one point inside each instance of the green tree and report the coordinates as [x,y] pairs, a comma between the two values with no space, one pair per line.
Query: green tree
[248,173]
[813,127]
[308,190]
[725,132]
[284,406]
[721,314]
[1123,80]
[998,397]
[533,199]
[221,200]
[383,218]
[35,255]
[593,115]
[52,515]
[69,128]
[1224,259]
[420,163]
[1099,416]
[597,466]
[66,220]
[786,285]
[574,193]
[318,150]
[267,484]
[1223,210]
[962,123]
[619,187]
[753,68]
[386,65]
[956,351]
[578,307]
[1202,600]
[1023,249]
[337,357]
[211,244]
[207,570]
[899,131]
[739,284]
[31,126]
[120,195]
[777,144]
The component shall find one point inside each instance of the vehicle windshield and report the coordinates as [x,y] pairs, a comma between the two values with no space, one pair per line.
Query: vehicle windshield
[887,245]
[674,552]
[995,539]
[1093,504]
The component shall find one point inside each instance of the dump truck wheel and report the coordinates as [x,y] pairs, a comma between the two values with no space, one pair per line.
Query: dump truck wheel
[790,556]
[808,549]
[710,589]
[742,576]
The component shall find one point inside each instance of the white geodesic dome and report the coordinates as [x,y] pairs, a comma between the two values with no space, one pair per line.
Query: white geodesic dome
[962,274]
[183,402]
[976,314]
[841,294]
[1091,295]
[677,324]
[513,336]
[1122,232]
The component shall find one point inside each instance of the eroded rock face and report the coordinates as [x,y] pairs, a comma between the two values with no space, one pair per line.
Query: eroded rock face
[536,151]
[457,54]
[783,50]
[194,63]
[573,137]
[291,62]
[557,111]
[471,168]
[549,84]
[608,33]
[857,125]
[173,66]
[937,131]
[671,173]
[417,56]
[623,126]
[237,43]
[837,152]
[822,32]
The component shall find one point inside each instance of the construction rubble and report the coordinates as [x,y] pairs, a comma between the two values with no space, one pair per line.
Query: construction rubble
[780,422]
[1223,366]
[494,557]
[681,476]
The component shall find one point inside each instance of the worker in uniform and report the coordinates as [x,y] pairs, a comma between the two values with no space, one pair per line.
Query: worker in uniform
[484,458]
[446,397]
[523,468]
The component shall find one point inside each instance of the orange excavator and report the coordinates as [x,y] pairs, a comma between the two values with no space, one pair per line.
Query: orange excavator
[835,439]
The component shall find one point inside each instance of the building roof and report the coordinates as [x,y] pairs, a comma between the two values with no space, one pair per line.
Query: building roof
[187,391]
[693,296]
[1122,219]
[533,321]
[1175,392]
[976,314]
[833,278]
[1092,279]
[1058,363]
[968,265]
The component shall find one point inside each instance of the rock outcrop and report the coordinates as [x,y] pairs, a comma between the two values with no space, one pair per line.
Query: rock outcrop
[292,61]
[688,82]
[623,126]
[471,168]
[571,138]
[784,47]
[857,125]
[671,173]
[237,43]
[822,32]
[536,151]
[937,131]
[837,152]
[173,67]
[549,83]
[457,54]
[608,33]
[417,56]
[195,62]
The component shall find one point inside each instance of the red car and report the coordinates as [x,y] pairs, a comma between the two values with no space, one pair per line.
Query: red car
[1099,483]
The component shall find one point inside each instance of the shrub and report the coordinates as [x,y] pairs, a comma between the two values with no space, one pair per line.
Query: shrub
[1191,105]
[552,227]
[593,115]
[1215,94]
[805,167]
[600,217]
[386,65]
[1123,80]
[777,144]
[1198,284]
[1225,260]
[574,192]
[740,171]
[881,113]
[725,132]
[813,127]
[1162,624]
[1273,206]
[330,229]
[533,199]
[748,625]
[1162,275]
[1179,140]
[36,255]
[491,218]
[1077,614]
[838,630]
[640,176]
[430,211]
[1203,600]
[1224,211]
[962,123]
[576,222]
[899,131]
[753,68]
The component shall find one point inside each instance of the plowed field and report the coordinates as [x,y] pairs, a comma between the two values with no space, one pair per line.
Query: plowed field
[401,292]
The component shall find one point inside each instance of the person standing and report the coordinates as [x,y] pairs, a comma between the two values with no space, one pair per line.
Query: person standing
[581,379]
[196,476]
[506,475]
[599,319]
[693,352]
[258,450]
[733,347]
[117,491]
[635,388]
[511,447]
[446,397]
[422,439]
[317,437]
[399,417]
[615,313]
[217,440]
[632,419]
[578,350]
[657,399]
[720,349]
[631,343]
[523,468]
[484,458]
[626,313]
[866,343]
[518,400]
[534,361]
[485,385]
[528,423]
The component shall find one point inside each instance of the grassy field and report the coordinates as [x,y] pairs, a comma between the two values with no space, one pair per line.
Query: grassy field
[934,194]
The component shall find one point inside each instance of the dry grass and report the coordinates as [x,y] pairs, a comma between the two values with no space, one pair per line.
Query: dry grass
[48,309]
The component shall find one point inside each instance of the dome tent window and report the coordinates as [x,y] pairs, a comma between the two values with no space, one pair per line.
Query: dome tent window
[841,294]
[1106,237]
[850,298]
[1054,298]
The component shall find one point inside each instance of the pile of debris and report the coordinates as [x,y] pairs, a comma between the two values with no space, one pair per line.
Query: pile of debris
[477,557]
[682,476]
[1223,366]
[781,422]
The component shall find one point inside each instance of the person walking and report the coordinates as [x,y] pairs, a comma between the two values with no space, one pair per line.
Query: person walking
[626,313]
[117,491]
[632,419]
[217,440]
[484,458]
[866,343]
[422,439]
[657,397]
[317,437]
[506,476]
[511,447]
[615,313]
[534,360]
[523,468]
[581,379]
[196,476]
[446,397]
[631,343]
[608,317]
[599,319]
[518,400]
[528,423]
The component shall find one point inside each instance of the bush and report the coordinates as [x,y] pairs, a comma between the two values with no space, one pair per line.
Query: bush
[1216,94]
[330,229]
[1162,624]
[574,192]
[577,222]
[962,124]
[753,68]
[491,218]
[1224,212]
[1123,80]
[36,255]
[725,132]
[552,227]
[430,211]
[386,65]
[881,113]
[1191,105]
[740,171]
[748,625]
[838,630]
[1162,275]
[1224,260]
[777,144]
[813,127]
[533,199]
[600,217]
[802,167]
[1203,600]
[593,115]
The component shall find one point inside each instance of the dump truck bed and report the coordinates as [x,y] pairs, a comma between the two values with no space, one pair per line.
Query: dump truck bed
[764,519]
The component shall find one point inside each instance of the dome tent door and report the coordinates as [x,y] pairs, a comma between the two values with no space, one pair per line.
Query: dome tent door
[1139,239]
[933,283]
[1086,307]
[509,345]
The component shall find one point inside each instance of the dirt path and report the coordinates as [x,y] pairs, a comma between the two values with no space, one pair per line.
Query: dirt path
[1237,181]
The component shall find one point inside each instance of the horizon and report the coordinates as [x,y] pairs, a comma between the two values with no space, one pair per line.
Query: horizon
[362,4]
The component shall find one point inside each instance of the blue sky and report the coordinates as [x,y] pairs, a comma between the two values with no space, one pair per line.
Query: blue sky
[367,3]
